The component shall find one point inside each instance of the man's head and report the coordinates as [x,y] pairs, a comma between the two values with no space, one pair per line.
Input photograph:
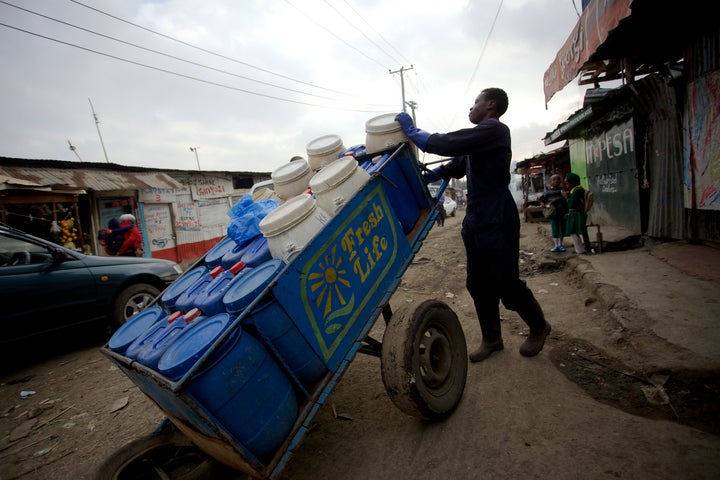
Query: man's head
[556,181]
[127,217]
[491,103]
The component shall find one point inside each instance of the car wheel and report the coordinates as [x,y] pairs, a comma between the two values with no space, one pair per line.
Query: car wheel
[132,300]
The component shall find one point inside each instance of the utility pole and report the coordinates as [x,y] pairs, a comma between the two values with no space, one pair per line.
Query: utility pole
[194,150]
[413,105]
[97,126]
[402,84]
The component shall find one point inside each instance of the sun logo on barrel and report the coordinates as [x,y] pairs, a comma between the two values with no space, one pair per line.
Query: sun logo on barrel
[327,281]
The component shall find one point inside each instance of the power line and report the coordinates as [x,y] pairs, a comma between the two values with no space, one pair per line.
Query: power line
[482,52]
[182,75]
[361,31]
[333,34]
[140,47]
[378,34]
[205,50]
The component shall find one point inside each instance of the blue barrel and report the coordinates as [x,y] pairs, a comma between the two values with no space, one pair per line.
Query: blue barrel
[243,388]
[134,327]
[277,327]
[179,286]
[210,299]
[158,343]
[400,194]
[186,300]
[257,252]
[213,258]
[273,323]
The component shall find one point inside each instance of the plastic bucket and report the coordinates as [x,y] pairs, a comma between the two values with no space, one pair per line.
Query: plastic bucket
[291,179]
[245,289]
[157,344]
[186,300]
[383,132]
[136,326]
[210,300]
[246,391]
[143,340]
[323,151]
[179,286]
[291,226]
[335,184]
[213,258]
[257,253]
[191,344]
[280,331]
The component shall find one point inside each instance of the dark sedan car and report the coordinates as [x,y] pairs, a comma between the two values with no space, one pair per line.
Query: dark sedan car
[46,288]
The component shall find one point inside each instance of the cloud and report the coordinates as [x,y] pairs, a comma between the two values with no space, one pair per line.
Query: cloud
[311,69]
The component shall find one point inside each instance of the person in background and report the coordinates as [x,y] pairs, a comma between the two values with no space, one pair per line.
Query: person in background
[491,227]
[554,196]
[113,236]
[440,220]
[577,217]
[132,245]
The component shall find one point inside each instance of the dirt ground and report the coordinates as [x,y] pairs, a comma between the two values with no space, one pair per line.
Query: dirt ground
[589,406]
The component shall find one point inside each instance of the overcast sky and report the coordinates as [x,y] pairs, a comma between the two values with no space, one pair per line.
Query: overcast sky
[251,82]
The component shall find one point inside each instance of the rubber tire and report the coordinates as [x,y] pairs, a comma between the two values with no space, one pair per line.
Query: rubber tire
[130,301]
[170,451]
[424,361]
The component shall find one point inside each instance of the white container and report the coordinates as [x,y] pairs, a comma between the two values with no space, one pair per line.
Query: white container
[291,226]
[324,150]
[291,179]
[335,184]
[383,132]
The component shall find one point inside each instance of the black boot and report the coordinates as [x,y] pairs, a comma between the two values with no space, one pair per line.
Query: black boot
[535,342]
[485,350]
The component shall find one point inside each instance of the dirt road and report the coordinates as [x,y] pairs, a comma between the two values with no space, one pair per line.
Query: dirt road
[584,408]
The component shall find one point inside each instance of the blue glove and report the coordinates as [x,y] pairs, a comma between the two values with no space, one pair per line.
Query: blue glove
[417,136]
[432,176]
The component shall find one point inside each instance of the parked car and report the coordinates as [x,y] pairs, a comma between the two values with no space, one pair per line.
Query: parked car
[46,288]
[450,206]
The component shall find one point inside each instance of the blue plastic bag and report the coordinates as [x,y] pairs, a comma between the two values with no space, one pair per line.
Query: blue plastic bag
[245,224]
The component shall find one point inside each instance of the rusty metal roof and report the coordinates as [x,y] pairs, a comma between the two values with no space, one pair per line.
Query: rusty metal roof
[99,177]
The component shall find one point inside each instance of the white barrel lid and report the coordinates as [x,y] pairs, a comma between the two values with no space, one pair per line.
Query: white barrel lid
[324,144]
[385,123]
[290,171]
[333,174]
[288,214]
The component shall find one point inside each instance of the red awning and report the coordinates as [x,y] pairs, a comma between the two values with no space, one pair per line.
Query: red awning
[596,21]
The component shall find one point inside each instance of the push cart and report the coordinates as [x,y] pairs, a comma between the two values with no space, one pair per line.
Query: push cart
[332,292]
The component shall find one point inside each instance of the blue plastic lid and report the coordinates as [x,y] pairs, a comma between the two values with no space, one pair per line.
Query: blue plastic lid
[213,258]
[257,253]
[134,327]
[191,344]
[241,293]
[179,286]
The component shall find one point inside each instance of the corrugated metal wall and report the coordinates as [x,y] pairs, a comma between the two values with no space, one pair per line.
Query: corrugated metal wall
[656,100]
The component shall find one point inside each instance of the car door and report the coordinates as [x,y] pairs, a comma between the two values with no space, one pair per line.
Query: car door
[39,293]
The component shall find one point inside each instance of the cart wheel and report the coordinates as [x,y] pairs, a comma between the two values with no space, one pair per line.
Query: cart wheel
[168,454]
[424,361]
